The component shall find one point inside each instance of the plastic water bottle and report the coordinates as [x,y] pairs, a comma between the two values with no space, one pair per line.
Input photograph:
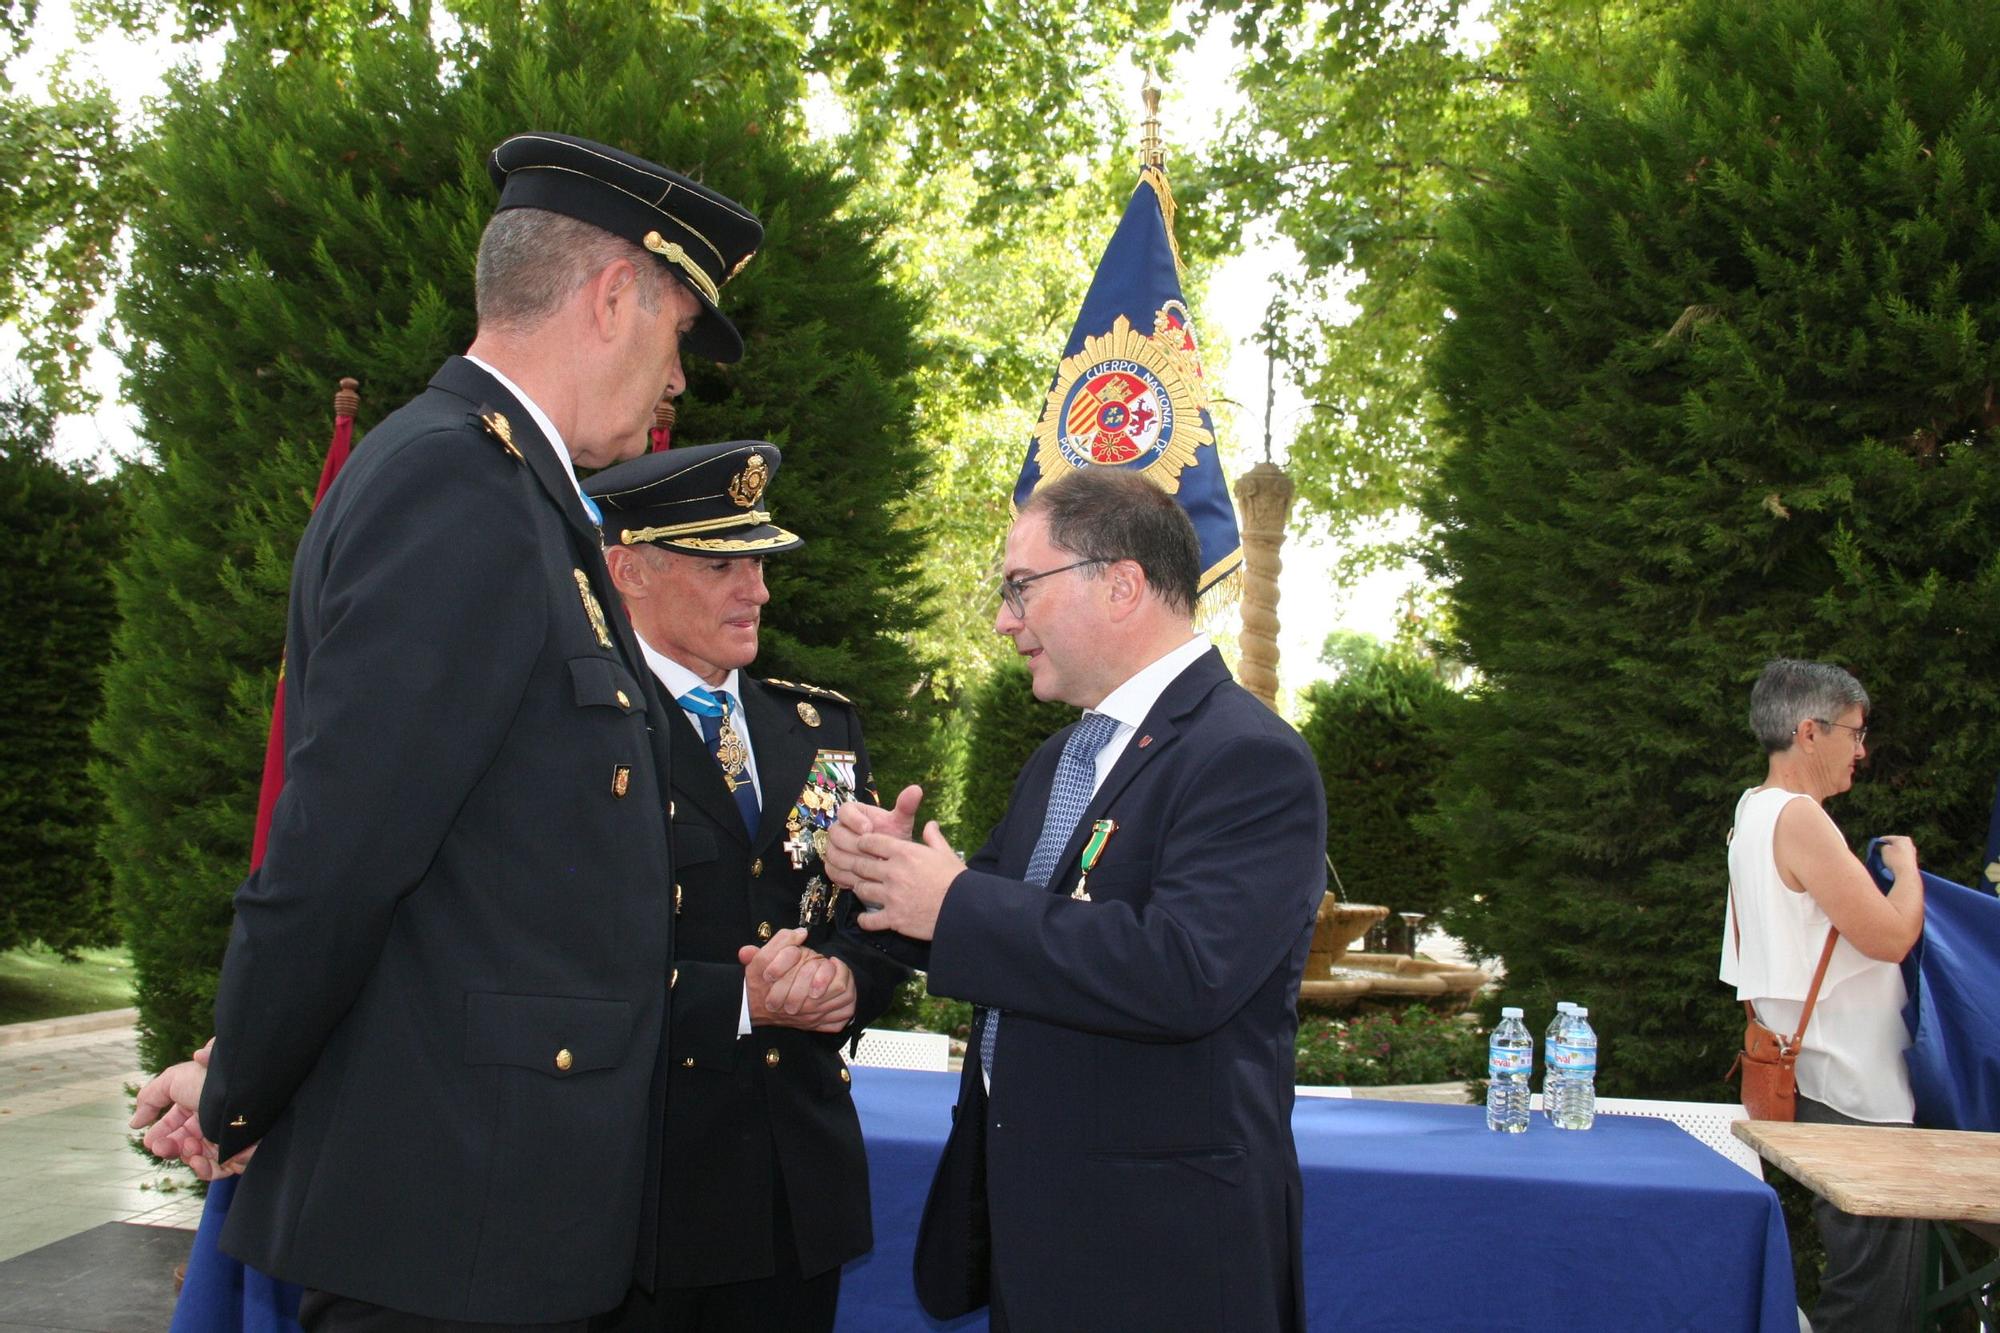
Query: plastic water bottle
[1510,1061]
[1551,1074]
[1577,1054]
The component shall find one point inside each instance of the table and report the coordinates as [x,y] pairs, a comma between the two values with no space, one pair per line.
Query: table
[1417,1217]
[1934,1175]
[1938,1175]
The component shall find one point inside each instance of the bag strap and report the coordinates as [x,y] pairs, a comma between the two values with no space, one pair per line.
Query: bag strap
[1819,973]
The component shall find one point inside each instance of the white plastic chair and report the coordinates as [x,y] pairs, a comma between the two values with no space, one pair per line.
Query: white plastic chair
[1707,1121]
[888,1049]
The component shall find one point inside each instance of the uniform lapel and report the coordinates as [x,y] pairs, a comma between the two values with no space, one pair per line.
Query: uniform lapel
[461,377]
[784,752]
[696,775]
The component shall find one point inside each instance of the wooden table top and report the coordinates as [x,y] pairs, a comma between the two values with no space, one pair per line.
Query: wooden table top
[1943,1175]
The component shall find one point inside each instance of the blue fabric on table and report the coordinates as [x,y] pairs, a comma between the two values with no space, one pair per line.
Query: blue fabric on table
[1953,1013]
[220,1295]
[1417,1216]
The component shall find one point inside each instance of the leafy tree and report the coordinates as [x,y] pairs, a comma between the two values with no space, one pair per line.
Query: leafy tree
[1378,735]
[1008,724]
[1718,385]
[1362,121]
[62,530]
[65,189]
[318,217]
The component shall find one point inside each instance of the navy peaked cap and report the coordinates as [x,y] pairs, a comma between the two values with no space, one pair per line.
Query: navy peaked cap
[702,499]
[703,238]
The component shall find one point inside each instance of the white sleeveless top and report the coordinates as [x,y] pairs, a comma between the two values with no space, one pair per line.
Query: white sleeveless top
[1852,1056]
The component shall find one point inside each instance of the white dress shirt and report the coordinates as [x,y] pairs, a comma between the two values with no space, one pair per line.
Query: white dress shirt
[1129,703]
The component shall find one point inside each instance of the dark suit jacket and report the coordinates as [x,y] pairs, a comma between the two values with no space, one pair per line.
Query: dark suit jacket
[442,1007]
[747,1113]
[1140,1171]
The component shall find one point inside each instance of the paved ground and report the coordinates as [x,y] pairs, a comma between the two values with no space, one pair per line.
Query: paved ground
[66,1164]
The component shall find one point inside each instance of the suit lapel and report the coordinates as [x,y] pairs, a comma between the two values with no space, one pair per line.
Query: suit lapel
[1159,732]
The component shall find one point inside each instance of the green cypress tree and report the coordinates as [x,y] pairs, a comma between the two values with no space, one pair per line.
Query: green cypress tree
[318,217]
[1718,383]
[1376,734]
[1008,724]
[60,532]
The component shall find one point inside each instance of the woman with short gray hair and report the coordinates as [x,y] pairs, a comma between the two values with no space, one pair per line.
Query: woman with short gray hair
[1793,882]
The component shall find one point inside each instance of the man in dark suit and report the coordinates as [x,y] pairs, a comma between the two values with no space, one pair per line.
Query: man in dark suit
[1135,929]
[441,1014]
[766,1186]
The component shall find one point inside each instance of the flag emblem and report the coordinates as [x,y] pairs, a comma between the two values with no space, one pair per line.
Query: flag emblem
[1125,398]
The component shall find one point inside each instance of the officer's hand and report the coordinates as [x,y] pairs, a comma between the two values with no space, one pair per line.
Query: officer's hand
[792,986]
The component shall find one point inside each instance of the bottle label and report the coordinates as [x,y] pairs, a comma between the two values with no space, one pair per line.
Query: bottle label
[1502,1061]
[1573,1061]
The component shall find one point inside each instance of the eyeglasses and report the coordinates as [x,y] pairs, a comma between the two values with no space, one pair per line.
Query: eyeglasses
[1011,590]
[1860,732]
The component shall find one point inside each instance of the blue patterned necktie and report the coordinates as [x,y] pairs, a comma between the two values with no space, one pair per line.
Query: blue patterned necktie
[1076,780]
[717,711]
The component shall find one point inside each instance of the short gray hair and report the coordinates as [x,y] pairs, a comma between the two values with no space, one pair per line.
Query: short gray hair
[532,260]
[1790,691]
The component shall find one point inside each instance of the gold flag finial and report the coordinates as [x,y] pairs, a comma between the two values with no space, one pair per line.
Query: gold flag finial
[1151,151]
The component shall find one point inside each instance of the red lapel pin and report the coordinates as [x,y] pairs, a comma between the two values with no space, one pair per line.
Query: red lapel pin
[1144,741]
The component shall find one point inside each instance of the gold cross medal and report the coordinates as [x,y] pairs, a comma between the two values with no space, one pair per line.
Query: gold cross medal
[1100,834]
[829,785]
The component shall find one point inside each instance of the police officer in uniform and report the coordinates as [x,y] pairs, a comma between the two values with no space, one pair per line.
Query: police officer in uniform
[441,1014]
[766,1186]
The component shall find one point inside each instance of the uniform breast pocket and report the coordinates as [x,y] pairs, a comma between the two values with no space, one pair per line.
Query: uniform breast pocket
[557,1035]
[693,845]
[599,682]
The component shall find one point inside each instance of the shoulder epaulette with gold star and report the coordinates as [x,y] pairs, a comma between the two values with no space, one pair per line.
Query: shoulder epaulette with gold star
[816,691]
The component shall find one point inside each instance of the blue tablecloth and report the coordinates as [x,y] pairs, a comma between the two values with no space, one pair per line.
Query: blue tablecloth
[1418,1218]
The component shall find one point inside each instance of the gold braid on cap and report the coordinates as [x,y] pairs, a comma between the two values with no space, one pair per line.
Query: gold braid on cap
[678,257]
[633,536]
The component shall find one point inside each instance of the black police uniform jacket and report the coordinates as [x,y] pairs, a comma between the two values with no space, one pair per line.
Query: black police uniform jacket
[441,1012]
[745,1113]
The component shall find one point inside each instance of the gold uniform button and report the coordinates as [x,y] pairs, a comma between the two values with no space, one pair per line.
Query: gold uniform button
[677,900]
[688,1062]
[771,1057]
[238,1123]
[846,1077]
[674,979]
[564,1059]
[624,700]
[757,866]
[764,931]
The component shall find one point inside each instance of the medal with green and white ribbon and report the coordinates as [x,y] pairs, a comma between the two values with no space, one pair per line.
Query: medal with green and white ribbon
[1100,834]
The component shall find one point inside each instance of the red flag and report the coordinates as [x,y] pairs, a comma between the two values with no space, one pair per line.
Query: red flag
[662,433]
[345,403]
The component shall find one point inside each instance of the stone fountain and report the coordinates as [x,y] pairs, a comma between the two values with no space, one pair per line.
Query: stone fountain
[1337,980]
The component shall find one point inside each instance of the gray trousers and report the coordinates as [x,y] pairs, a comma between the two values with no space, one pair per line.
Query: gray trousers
[1874,1265]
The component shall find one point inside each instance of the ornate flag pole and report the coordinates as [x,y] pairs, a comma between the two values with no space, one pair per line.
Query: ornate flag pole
[1130,390]
[1264,496]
